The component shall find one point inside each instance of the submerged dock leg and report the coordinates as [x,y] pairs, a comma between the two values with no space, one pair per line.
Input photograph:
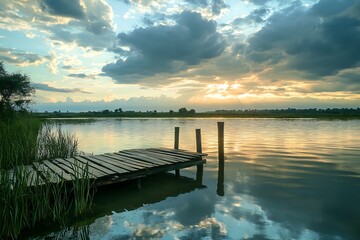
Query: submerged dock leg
[176,146]
[200,167]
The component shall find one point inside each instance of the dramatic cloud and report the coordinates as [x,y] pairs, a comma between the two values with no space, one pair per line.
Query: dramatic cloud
[86,23]
[46,87]
[320,41]
[95,25]
[166,49]
[63,8]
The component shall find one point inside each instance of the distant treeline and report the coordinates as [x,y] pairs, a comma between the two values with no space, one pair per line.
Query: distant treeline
[183,112]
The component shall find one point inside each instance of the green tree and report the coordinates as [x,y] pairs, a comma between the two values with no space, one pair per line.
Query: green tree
[183,110]
[15,91]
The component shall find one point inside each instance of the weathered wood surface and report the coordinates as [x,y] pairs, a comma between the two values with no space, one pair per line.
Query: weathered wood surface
[113,167]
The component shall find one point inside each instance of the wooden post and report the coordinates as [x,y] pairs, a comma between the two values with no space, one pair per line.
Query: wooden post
[200,167]
[221,141]
[176,146]
[198,141]
[176,142]
[220,183]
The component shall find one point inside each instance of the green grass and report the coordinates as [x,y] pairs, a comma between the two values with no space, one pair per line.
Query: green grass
[26,140]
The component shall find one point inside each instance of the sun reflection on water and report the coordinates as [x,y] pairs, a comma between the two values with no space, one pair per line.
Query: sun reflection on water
[283,179]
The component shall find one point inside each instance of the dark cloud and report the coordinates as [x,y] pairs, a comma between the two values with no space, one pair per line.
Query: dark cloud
[265,2]
[167,49]
[20,57]
[95,25]
[63,8]
[67,67]
[217,6]
[45,87]
[324,9]
[200,3]
[256,16]
[318,42]
[78,75]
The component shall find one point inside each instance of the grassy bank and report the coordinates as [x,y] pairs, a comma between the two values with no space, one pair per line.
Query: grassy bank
[24,140]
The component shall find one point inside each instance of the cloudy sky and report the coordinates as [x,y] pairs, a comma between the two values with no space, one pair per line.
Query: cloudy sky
[165,54]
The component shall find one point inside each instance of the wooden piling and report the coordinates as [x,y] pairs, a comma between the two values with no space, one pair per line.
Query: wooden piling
[198,141]
[200,167]
[220,183]
[221,141]
[177,134]
[176,146]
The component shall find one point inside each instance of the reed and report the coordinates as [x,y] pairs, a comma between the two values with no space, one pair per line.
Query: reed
[82,188]
[18,142]
[53,143]
[26,140]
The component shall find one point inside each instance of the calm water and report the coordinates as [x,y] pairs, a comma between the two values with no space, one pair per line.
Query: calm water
[284,179]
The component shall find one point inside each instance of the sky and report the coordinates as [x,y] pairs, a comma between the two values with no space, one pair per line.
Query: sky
[86,55]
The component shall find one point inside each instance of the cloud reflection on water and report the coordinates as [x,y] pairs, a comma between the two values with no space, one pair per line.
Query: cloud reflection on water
[295,179]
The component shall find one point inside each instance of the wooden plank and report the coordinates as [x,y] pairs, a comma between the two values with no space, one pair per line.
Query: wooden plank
[123,164]
[94,171]
[107,162]
[109,169]
[161,156]
[143,156]
[67,165]
[95,165]
[181,151]
[178,152]
[64,164]
[174,166]
[130,161]
[143,159]
[173,158]
[46,173]
[58,170]
[112,167]
[174,153]
[33,178]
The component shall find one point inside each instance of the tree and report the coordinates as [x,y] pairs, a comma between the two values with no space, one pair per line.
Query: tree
[183,110]
[15,91]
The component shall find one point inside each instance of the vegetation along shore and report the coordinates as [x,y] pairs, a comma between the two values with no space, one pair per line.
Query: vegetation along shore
[25,140]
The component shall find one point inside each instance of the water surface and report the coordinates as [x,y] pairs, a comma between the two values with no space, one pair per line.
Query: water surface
[283,179]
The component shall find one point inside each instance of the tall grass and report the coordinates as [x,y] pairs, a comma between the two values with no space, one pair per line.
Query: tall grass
[52,143]
[22,142]
[18,142]
[82,189]
[26,140]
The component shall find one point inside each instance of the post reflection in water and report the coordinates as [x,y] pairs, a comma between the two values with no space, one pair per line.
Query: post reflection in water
[220,180]
[285,179]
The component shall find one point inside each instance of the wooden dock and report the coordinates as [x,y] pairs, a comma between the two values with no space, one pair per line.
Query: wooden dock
[114,167]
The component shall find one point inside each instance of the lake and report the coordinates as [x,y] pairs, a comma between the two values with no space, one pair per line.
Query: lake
[283,179]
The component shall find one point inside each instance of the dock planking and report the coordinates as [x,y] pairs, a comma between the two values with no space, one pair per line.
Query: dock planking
[113,167]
